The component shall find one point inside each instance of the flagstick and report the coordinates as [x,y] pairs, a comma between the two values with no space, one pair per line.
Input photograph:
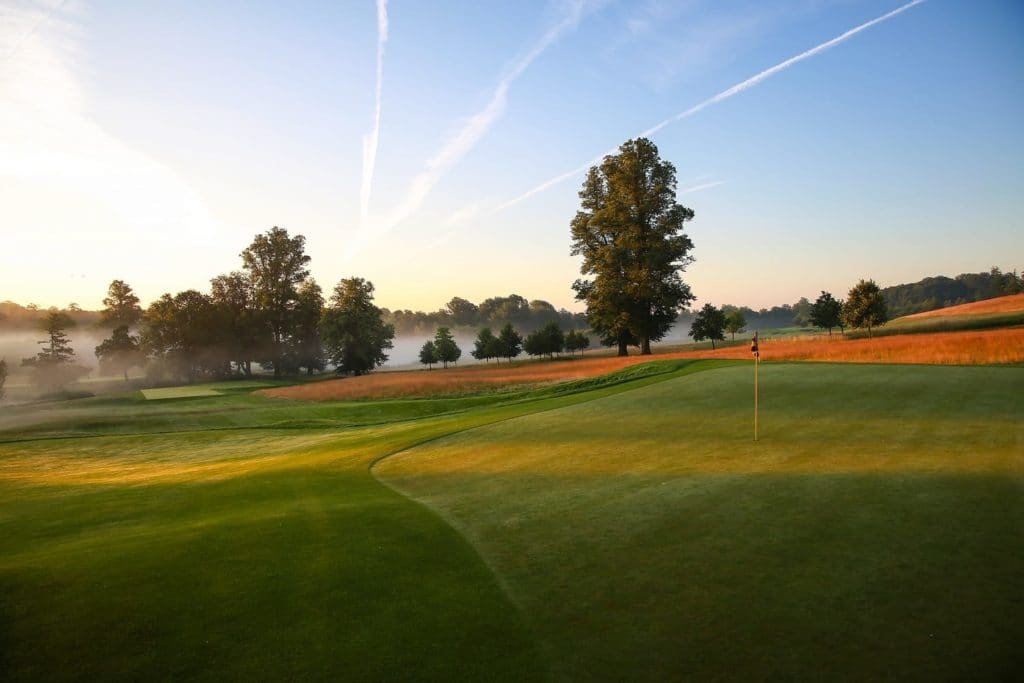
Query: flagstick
[757,363]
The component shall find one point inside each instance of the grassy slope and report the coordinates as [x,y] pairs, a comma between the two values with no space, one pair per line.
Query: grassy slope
[228,549]
[873,533]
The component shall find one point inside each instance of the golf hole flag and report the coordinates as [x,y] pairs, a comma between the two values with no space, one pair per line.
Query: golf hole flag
[753,347]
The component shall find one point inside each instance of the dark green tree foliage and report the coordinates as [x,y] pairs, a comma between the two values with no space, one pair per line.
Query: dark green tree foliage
[53,367]
[802,312]
[428,354]
[735,322]
[708,324]
[445,347]
[462,312]
[182,335]
[547,341]
[354,334]
[629,232]
[277,264]
[121,306]
[306,348]
[865,306]
[826,312]
[3,376]
[120,352]
[485,346]
[510,342]
[243,334]
[576,341]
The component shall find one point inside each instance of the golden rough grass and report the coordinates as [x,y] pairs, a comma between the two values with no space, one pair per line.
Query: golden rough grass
[946,348]
[1003,304]
[980,347]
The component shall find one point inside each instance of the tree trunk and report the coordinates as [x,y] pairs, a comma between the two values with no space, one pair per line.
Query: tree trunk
[712,344]
[623,347]
[645,349]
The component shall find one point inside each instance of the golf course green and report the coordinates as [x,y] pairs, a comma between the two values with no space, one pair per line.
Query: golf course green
[625,527]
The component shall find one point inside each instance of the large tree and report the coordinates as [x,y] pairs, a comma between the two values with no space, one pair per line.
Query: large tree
[306,346]
[428,354]
[708,324]
[354,334]
[629,232]
[510,342]
[181,333]
[445,347]
[548,340]
[54,366]
[120,352]
[462,312]
[826,312]
[244,335]
[277,266]
[121,306]
[865,306]
[735,322]
[485,345]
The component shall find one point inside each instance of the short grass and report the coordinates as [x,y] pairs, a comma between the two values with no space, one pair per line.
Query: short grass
[179,392]
[240,536]
[873,533]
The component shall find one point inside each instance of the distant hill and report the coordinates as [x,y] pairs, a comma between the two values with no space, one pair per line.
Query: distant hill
[932,293]
[1003,304]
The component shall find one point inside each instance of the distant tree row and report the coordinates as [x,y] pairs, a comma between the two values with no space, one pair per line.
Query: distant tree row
[864,308]
[508,344]
[495,311]
[271,312]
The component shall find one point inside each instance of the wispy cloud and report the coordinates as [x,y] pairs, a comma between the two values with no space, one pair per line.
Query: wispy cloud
[371,139]
[473,128]
[701,186]
[724,95]
[63,178]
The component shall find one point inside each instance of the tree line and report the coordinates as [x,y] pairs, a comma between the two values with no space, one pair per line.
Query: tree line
[865,307]
[526,315]
[270,312]
[548,341]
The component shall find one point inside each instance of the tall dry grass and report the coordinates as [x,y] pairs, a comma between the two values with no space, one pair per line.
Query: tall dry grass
[946,348]
[1003,304]
[982,347]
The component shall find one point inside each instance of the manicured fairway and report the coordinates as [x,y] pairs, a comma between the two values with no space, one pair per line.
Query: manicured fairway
[185,539]
[617,528]
[874,533]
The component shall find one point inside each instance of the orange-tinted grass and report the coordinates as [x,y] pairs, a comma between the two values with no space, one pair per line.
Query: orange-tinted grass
[946,348]
[942,348]
[453,381]
[1003,304]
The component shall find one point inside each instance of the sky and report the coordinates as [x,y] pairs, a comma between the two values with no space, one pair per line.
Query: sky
[437,148]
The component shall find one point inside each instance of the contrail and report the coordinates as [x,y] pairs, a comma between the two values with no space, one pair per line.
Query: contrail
[371,138]
[724,95]
[475,127]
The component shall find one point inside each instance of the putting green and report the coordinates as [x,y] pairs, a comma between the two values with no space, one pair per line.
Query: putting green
[178,392]
[874,532]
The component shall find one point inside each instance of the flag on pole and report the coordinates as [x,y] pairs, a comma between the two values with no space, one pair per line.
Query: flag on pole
[753,347]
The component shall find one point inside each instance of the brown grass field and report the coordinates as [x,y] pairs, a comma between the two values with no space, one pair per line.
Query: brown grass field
[1003,304]
[946,348]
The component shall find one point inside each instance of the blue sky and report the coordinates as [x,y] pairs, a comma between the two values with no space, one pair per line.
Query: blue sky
[150,141]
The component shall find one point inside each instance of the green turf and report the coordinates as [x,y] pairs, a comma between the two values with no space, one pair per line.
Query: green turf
[179,392]
[238,535]
[873,533]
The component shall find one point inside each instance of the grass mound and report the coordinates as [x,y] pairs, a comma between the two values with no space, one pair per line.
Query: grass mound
[870,534]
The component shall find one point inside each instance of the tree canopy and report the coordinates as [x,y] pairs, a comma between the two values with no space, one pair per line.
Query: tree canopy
[445,347]
[354,335]
[826,312]
[276,263]
[708,324]
[629,232]
[865,306]
[54,367]
[120,352]
[735,322]
[121,306]
[510,342]
[428,354]
[548,341]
